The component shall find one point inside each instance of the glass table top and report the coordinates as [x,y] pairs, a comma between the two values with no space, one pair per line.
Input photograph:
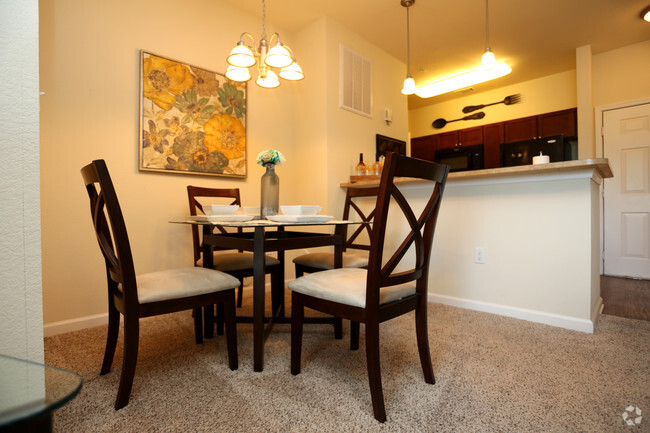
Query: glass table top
[29,389]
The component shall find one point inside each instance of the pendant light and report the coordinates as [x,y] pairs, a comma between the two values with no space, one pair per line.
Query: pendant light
[279,57]
[409,83]
[488,70]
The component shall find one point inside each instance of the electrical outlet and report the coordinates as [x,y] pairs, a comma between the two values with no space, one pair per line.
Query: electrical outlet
[479,255]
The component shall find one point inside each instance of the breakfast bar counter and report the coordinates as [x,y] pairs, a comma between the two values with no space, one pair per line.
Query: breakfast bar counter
[519,241]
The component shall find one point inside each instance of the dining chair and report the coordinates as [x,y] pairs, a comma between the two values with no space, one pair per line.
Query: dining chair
[238,264]
[138,296]
[388,288]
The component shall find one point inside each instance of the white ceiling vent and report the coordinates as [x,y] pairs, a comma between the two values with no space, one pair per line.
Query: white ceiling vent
[355,82]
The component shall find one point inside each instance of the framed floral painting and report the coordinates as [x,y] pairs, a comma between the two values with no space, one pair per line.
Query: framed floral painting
[192,120]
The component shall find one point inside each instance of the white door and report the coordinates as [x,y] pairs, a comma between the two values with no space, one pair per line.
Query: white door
[626,141]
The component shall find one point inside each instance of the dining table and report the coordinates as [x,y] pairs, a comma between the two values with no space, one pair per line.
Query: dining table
[261,236]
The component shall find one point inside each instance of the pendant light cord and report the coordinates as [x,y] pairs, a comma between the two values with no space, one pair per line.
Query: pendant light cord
[408,41]
[487,27]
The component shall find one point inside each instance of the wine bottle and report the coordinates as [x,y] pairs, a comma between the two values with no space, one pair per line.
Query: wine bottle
[360,169]
[376,168]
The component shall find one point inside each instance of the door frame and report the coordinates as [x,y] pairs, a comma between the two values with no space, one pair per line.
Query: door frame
[599,113]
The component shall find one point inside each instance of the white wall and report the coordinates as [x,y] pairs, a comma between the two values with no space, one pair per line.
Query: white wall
[21,318]
[541,240]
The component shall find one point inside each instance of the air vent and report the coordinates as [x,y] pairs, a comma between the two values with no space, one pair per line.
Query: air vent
[355,82]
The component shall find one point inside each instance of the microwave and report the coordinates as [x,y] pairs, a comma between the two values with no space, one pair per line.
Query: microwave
[461,158]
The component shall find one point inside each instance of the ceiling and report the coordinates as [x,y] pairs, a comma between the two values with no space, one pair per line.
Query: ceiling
[536,38]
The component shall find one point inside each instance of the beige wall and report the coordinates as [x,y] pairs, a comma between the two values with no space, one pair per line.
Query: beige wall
[621,75]
[90,73]
[543,95]
[90,76]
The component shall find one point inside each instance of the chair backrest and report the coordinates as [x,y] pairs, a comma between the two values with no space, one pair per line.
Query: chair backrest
[193,193]
[111,232]
[420,229]
[351,204]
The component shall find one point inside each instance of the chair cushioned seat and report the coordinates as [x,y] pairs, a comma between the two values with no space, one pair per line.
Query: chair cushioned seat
[180,283]
[236,261]
[346,286]
[326,260]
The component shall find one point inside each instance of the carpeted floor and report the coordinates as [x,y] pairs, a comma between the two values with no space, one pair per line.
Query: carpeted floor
[493,373]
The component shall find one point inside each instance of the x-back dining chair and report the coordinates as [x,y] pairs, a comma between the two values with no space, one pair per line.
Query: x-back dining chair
[148,294]
[237,264]
[388,288]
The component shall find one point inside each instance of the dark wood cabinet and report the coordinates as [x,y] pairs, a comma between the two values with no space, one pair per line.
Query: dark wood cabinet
[559,122]
[492,139]
[493,135]
[520,129]
[423,147]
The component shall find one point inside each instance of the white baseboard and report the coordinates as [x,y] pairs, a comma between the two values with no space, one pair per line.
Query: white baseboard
[552,319]
[74,324]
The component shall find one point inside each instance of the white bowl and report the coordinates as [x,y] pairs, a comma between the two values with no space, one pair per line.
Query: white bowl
[248,210]
[300,210]
[220,209]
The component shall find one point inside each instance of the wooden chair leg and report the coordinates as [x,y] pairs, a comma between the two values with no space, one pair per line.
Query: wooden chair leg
[220,312]
[297,318]
[131,336]
[240,292]
[111,339]
[423,344]
[354,335]
[338,328]
[374,372]
[299,271]
[208,321]
[198,326]
[277,292]
[231,331]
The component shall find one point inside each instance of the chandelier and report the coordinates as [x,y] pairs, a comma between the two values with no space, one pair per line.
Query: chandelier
[278,58]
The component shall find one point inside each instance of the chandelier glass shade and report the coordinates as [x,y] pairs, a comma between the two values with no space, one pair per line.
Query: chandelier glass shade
[278,57]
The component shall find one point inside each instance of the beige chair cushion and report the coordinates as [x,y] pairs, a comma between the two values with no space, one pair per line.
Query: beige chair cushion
[236,261]
[346,286]
[326,260]
[181,283]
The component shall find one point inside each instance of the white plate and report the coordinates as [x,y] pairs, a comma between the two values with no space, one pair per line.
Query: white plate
[299,218]
[222,218]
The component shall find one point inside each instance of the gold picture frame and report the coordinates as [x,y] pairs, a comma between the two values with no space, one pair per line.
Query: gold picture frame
[192,121]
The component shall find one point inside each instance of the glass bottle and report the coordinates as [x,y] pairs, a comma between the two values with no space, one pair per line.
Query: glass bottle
[360,169]
[270,199]
[376,168]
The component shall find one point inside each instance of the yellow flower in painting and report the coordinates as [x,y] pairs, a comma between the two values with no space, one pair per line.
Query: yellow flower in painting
[164,78]
[225,134]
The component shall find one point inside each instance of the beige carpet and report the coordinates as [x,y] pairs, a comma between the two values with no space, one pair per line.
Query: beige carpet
[494,374]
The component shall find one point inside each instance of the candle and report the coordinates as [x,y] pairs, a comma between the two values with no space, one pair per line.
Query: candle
[541,159]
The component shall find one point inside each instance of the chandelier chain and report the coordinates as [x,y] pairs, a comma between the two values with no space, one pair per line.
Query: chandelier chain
[487,26]
[263,19]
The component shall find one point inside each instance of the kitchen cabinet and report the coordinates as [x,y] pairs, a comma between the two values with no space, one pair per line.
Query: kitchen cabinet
[558,122]
[423,147]
[492,139]
[491,136]
[544,125]
[521,129]
[463,137]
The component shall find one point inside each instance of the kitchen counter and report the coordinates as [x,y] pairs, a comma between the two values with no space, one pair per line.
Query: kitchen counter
[538,231]
[599,165]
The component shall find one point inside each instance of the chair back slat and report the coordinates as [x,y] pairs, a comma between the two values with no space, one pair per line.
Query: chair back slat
[110,230]
[193,193]
[353,241]
[419,236]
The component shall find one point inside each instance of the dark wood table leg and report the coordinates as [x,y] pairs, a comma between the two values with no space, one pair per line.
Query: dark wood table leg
[278,298]
[258,299]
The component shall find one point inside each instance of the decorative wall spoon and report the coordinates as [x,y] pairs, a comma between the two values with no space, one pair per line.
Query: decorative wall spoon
[440,123]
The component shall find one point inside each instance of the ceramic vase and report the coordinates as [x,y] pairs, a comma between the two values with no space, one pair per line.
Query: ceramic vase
[270,192]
